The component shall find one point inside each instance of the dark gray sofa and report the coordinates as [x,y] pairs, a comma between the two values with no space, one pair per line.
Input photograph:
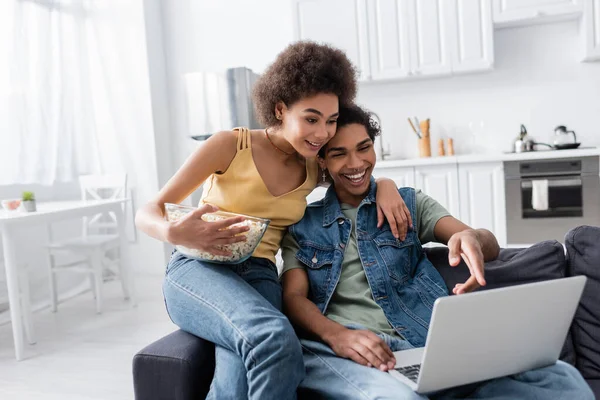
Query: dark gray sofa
[180,366]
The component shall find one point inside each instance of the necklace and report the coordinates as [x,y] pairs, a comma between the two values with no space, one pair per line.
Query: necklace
[274,145]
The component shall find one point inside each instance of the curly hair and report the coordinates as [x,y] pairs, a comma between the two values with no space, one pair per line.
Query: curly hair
[303,69]
[354,114]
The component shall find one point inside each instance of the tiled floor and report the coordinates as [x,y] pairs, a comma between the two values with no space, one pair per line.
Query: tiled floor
[82,355]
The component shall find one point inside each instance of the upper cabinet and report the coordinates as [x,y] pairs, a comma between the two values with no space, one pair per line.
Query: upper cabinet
[523,12]
[341,23]
[389,39]
[590,29]
[430,33]
[472,34]
[402,39]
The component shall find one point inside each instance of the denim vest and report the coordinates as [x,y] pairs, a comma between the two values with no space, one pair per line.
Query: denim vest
[403,281]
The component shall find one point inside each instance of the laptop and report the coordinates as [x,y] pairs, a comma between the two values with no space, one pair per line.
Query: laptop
[484,335]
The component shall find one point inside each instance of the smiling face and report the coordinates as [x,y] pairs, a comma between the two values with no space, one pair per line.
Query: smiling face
[350,158]
[308,124]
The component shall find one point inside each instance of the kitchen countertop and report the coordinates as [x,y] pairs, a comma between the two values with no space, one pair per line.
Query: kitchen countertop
[488,157]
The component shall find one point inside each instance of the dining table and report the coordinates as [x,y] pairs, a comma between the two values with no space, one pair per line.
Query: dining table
[48,213]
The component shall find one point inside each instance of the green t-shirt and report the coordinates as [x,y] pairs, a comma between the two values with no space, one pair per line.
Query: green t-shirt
[352,301]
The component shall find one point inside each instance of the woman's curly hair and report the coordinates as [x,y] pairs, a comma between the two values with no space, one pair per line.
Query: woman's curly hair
[303,69]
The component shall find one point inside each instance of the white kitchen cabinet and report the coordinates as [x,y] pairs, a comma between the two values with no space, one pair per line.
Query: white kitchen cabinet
[441,183]
[341,23]
[590,27]
[472,35]
[482,201]
[523,12]
[403,176]
[389,39]
[429,26]
[412,38]
[402,39]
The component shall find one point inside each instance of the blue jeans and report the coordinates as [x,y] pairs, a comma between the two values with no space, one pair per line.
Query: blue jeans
[331,377]
[237,307]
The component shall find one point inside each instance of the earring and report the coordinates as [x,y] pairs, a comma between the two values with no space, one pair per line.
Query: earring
[278,117]
[324,176]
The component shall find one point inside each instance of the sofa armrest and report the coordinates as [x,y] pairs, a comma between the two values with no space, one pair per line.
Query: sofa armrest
[540,262]
[177,367]
[583,254]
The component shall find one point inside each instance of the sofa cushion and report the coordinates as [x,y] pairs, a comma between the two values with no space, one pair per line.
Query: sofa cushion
[595,385]
[178,366]
[540,262]
[583,253]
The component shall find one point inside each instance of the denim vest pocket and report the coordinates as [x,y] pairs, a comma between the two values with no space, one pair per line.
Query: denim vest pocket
[395,254]
[319,261]
[432,287]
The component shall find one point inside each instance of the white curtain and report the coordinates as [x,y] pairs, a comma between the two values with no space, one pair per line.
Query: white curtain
[74,94]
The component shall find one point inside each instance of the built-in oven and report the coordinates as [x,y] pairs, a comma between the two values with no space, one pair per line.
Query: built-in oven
[546,198]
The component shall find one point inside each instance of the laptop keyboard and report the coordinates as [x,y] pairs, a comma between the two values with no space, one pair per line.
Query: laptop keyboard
[410,371]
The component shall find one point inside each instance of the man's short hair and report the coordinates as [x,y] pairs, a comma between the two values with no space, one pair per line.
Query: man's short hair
[354,114]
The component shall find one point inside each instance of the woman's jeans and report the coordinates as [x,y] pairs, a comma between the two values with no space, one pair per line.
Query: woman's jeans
[237,307]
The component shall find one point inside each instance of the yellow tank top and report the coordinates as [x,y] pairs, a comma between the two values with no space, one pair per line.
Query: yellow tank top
[242,190]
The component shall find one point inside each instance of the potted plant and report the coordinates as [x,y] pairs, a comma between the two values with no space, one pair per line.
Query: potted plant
[29,201]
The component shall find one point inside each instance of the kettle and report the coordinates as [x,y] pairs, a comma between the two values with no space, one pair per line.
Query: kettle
[523,143]
[564,137]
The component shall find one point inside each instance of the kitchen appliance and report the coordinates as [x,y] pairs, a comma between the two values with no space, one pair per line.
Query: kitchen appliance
[219,101]
[523,142]
[546,198]
[564,139]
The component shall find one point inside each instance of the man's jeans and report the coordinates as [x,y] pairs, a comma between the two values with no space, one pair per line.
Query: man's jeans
[331,377]
[237,307]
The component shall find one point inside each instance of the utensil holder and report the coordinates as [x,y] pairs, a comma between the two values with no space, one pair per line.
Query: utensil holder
[424,146]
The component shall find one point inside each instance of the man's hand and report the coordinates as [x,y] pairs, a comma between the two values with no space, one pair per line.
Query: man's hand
[363,347]
[392,207]
[466,244]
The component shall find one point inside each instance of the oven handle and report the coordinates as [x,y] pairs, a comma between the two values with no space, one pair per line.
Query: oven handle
[553,182]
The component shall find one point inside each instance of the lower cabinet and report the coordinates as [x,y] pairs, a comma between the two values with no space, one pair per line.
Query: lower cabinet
[482,201]
[471,192]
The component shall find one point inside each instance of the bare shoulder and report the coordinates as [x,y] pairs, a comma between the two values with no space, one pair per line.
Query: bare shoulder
[218,150]
[224,138]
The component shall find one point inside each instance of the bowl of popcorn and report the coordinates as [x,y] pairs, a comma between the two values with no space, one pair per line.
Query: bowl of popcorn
[240,251]
[11,204]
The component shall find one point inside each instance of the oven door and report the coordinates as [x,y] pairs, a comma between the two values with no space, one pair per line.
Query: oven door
[565,197]
[573,200]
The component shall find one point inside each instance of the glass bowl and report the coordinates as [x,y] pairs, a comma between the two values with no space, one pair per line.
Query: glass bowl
[11,204]
[241,251]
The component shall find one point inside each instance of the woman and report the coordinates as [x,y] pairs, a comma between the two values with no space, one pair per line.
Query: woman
[265,173]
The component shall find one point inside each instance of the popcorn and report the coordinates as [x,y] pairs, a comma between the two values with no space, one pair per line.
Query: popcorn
[240,251]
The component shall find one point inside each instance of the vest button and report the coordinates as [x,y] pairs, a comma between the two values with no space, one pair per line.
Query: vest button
[342,245]
[341,221]
[314,260]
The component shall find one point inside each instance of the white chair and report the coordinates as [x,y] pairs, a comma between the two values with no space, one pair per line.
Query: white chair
[99,239]
[24,297]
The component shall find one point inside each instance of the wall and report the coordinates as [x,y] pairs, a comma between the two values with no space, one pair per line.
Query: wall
[538,81]
[212,35]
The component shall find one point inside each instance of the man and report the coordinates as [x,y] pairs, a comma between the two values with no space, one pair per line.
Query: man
[357,293]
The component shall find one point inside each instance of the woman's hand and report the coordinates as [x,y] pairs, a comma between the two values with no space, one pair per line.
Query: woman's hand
[391,205]
[193,232]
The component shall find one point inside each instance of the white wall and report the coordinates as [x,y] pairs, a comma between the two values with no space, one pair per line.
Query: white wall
[212,35]
[538,81]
